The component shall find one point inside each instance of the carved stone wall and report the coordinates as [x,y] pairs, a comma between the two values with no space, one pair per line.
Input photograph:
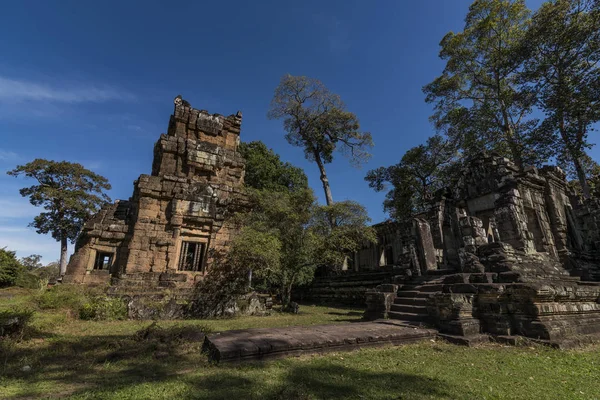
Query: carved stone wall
[516,253]
[177,216]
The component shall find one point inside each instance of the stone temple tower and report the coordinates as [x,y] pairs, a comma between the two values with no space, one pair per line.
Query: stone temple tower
[164,235]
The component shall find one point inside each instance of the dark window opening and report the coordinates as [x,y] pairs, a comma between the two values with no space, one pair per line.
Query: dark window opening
[103,260]
[389,255]
[192,254]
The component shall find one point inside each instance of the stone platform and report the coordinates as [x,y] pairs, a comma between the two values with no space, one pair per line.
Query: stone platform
[262,343]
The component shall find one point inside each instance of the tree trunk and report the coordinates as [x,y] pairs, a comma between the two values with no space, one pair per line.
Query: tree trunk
[512,144]
[575,156]
[324,180]
[63,255]
[285,298]
[581,176]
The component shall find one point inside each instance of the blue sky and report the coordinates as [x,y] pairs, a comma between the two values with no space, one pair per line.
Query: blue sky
[93,82]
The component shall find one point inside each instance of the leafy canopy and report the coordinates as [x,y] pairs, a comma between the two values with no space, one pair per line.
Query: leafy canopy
[316,120]
[265,170]
[479,100]
[412,183]
[68,192]
[563,44]
[31,262]
[346,235]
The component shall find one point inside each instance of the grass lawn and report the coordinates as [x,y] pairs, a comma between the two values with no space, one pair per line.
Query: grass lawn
[107,360]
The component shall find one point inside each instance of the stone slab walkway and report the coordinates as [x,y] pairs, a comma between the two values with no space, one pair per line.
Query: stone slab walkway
[261,343]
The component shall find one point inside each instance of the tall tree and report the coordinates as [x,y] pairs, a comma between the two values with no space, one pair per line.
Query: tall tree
[478,98]
[69,194]
[276,241]
[283,237]
[563,62]
[316,120]
[412,182]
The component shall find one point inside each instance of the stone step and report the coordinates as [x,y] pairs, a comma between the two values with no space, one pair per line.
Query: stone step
[406,308]
[413,293]
[405,316]
[440,272]
[429,288]
[411,301]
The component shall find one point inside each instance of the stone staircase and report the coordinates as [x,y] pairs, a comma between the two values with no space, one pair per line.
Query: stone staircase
[410,304]
[348,288]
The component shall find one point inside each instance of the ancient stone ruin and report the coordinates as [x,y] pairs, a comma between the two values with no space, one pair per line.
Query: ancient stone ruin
[165,234]
[503,252]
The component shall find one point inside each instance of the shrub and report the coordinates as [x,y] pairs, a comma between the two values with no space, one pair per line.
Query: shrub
[61,296]
[103,308]
[217,293]
[13,322]
[28,280]
[10,268]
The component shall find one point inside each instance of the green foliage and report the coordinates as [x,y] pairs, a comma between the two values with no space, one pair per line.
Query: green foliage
[10,268]
[48,272]
[225,281]
[265,170]
[67,191]
[69,194]
[31,262]
[316,120]
[412,183]
[346,235]
[286,236]
[563,62]
[28,280]
[479,100]
[276,243]
[61,296]
[103,308]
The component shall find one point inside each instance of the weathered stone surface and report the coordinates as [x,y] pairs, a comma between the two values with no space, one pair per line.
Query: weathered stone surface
[254,344]
[517,253]
[196,184]
[379,301]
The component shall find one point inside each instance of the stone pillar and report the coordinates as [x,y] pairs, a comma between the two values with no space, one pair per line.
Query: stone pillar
[379,301]
[425,247]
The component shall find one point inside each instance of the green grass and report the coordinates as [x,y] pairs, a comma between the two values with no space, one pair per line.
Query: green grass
[106,360]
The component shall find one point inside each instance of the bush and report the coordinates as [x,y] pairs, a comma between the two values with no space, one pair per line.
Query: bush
[10,268]
[61,296]
[103,308]
[28,280]
[13,322]
[216,295]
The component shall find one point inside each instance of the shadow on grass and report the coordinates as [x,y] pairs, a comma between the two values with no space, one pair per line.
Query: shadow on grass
[347,314]
[99,366]
[76,365]
[309,381]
